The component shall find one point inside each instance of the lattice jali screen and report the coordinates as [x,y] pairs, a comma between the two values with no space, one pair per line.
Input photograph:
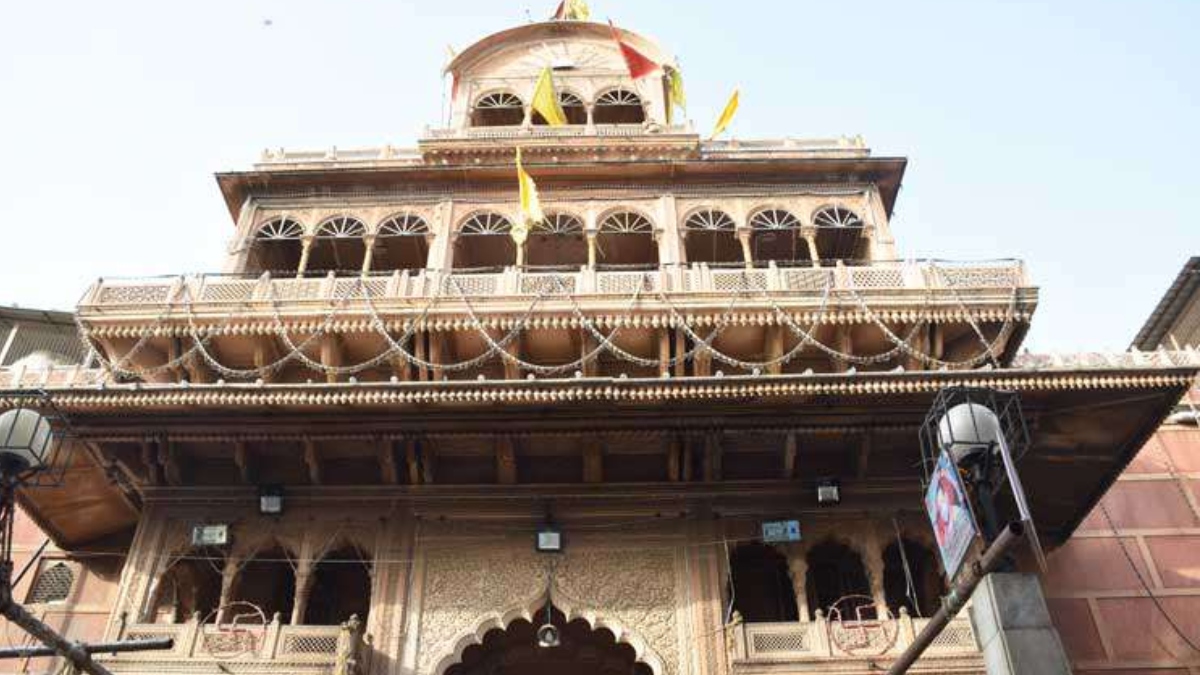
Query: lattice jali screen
[806,280]
[978,277]
[739,281]
[296,289]
[139,294]
[53,584]
[471,284]
[626,283]
[772,643]
[546,283]
[957,636]
[374,288]
[877,277]
[309,644]
[228,291]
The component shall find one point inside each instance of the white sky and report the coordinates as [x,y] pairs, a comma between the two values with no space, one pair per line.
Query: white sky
[1062,133]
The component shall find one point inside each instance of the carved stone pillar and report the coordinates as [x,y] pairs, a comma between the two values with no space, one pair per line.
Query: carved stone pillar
[872,550]
[798,570]
[368,254]
[304,584]
[810,238]
[228,576]
[306,243]
[591,245]
[743,235]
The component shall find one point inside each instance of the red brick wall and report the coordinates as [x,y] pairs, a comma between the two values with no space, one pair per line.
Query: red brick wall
[1108,621]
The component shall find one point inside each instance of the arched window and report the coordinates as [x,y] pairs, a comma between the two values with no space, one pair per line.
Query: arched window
[572,107]
[484,243]
[559,241]
[192,585]
[339,246]
[53,584]
[268,582]
[762,588]
[835,571]
[626,239]
[276,247]
[619,106]
[911,580]
[775,235]
[500,109]
[401,243]
[341,588]
[839,234]
[711,237]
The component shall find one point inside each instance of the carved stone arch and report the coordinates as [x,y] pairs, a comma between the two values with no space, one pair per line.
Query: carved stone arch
[707,212]
[604,216]
[250,544]
[482,241]
[627,236]
[620,104]
[841,233]
[840,211]
[529,611]
[497,107]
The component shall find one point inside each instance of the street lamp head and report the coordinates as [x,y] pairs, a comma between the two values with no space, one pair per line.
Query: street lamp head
[25,442]
[968,431]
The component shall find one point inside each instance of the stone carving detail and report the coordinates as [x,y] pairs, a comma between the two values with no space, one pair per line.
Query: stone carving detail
[636,591]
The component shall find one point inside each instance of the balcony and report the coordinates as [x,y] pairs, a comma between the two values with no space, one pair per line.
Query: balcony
[694,285]
[759,647]
[273,648]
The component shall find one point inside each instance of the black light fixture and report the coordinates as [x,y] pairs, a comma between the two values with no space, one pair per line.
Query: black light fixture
[270,500]
[829,492]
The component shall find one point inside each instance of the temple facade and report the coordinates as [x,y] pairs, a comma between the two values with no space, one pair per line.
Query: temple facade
[389,439]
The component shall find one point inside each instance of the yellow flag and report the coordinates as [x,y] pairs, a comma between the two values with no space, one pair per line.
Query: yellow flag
[531,205]
[727,116]
[676,97]
[545,100]
[573,10]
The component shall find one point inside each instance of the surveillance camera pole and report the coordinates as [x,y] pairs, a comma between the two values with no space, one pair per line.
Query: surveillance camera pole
[78,654]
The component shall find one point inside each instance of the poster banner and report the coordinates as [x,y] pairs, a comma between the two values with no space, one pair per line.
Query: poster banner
[950,515]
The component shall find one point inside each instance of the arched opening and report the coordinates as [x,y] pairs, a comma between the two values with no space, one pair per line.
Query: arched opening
[341,588]
[775,235]
[557,242]
[619,106]
[572,107]
[711,237]
[835,571]
[268,582]
[192,585]
[916,586]
[582,650]
[500,109]
[762,588]
[276,247]
[339,246]
[402,243]
[626,240]
[840,235]
[484,244]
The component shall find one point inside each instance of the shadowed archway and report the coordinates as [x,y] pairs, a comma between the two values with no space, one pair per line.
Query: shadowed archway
[583,650]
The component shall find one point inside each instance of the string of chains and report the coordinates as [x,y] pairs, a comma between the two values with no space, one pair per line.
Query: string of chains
[201,338]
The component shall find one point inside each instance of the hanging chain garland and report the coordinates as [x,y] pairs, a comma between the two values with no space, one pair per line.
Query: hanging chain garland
[202,337]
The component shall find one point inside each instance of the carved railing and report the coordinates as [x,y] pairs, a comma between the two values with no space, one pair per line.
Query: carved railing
[331,650]
[819,640]
[697,279]
[568,131]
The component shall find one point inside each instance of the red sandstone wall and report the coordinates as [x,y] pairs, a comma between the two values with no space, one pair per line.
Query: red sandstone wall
[1107,620]
[85,612]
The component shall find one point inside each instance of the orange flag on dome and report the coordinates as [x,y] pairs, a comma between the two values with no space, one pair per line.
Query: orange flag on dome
[638,63]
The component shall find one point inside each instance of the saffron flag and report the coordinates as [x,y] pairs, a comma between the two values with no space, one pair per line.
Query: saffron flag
[545,100]
[531,205]
[727,116]
[573,10]
[639,64]
[676,98]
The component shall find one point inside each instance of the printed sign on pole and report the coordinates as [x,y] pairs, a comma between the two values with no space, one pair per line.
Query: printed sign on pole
[950,514]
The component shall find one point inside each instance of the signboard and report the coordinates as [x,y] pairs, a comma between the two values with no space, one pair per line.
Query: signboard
[950,514]
[781,531]
[210,535]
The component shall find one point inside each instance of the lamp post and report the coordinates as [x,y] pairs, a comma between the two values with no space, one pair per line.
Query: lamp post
[34,453]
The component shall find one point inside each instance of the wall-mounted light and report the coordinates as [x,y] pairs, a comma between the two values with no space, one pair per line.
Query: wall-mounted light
[270,500]
[829,492]
[549,539]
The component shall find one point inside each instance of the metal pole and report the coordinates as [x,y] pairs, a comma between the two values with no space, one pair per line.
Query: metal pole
[96,648]
[992,558]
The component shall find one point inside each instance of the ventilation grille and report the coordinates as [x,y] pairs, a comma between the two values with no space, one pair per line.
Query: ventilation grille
[53,584]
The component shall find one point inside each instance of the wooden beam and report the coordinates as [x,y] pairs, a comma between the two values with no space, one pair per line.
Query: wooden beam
[313,461]
[387,461]
[863,464]
[506,461]
[266,353]
[241,457]
[331,355]
[593,460]
[587,345]
[412,460]
[512,371]
[937,340]
[680,350]
[150,462]
[773,348]
[674,460]
[712,457]
[428,461]
[421,338]
[789,456]
[664,352]
[844,344]
[168,457]
[436,346]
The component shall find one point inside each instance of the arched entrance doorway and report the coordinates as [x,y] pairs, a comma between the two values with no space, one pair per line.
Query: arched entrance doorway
[582,650]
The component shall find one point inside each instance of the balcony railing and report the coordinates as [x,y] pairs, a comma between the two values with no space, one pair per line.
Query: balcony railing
[568,131]
[327,650]
[822,639]
[698,280]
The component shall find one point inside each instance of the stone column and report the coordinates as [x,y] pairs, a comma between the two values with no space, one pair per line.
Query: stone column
[306,243]
[872,550]
[304,584]
[743,235]
[591,245]
[810,238]
[368,253]
[798,570]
